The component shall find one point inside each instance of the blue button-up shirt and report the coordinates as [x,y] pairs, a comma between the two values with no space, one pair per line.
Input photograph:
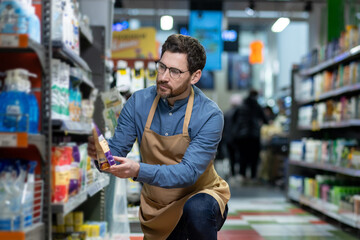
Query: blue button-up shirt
[205,130]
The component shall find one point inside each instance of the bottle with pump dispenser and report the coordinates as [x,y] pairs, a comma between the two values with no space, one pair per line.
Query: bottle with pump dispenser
[19,111]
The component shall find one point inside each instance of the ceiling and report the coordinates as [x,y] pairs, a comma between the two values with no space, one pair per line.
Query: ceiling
[149,11]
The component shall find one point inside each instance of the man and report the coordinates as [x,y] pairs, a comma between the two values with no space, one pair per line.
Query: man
[178,129]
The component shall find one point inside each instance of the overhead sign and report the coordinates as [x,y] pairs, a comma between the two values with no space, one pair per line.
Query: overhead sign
[134,44]
[206,27]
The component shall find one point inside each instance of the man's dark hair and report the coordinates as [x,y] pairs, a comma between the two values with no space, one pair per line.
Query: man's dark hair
[196,56]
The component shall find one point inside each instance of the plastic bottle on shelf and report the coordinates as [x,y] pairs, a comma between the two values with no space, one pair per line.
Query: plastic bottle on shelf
[19,111]
[123,76]
[27,200]
[18,17]
[15,107]
[137,76]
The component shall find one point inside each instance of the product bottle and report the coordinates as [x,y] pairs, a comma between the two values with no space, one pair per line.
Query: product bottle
[18,17]
[138,76]
[15,107]
[27,200]
[19,111]
[123,77]
[151,74]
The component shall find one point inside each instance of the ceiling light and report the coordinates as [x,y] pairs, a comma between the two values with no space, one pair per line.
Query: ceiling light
[280,24]
[250,10]
[166,22]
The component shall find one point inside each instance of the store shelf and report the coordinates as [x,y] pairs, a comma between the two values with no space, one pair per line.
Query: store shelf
[22,140]
[69,206]
[82,77]
[22,43]
[71,127]
[346,56]
[86,32]
[95,187]
[327,209]
[35,232]
[328,125]
[65,54]
[327,167]
[81,197]
[332,94]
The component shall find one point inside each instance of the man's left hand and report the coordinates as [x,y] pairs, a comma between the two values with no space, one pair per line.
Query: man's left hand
[126,169]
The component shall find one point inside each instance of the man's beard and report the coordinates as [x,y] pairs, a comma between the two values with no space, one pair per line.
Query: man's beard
[171,93]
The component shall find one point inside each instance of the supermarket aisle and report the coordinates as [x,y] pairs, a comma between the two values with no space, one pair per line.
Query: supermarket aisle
[259,212]
[262,213]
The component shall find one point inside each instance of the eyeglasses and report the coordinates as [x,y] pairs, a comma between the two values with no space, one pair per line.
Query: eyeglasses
[174,72]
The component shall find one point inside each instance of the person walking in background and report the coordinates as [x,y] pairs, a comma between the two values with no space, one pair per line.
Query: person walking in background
[227,141]
[178,129]
[248,118]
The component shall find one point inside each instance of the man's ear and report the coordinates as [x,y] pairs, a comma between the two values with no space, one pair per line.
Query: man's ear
[195,77]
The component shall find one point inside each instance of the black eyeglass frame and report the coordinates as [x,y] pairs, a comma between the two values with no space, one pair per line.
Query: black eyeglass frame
[170,69]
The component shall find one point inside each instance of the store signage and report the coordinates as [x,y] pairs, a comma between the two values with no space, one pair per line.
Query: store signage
[134,44]
[256,52]
[119,26]
[206,27]
[231,38]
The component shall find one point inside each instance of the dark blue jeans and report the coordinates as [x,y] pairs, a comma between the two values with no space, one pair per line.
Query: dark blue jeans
[201,219]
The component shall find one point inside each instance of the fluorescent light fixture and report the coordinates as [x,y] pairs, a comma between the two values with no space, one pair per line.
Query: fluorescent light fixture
[280,24]
[166,22]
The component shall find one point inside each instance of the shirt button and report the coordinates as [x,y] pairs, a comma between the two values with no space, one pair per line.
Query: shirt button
[170,114]
[166,134]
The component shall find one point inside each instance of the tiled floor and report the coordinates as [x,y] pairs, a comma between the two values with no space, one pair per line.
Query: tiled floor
[262,213]
[275,219]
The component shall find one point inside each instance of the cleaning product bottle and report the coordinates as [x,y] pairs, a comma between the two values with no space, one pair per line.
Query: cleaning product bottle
[14,107]
[20,111]
[33,104]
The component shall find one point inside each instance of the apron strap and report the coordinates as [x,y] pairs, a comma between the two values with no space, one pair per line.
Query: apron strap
[152,112]
[188,112]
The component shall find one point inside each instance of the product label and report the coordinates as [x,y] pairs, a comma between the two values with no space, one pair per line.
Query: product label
[62,177]
[8,40]
[103,143]
[13,110]
[8,140]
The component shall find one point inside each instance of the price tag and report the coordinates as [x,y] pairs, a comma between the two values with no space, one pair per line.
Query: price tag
[9,40]
[14,40]
[13,140]
[94,188]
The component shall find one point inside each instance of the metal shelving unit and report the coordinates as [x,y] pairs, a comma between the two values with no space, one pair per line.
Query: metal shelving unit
[81,197]
[327,167]
[71,127]
[67,55]
[341,58]
[326,130]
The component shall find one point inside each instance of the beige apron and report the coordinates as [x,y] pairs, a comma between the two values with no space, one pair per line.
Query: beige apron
[160,208]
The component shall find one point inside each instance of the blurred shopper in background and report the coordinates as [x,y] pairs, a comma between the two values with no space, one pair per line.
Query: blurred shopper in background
[228,143]
[248,118]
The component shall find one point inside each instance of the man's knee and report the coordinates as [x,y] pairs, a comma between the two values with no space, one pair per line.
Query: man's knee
[199,206]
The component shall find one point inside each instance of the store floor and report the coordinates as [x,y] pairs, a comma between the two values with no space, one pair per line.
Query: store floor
[261,212]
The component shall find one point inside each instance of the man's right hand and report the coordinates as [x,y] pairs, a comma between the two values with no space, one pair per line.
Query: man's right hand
[91,148]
